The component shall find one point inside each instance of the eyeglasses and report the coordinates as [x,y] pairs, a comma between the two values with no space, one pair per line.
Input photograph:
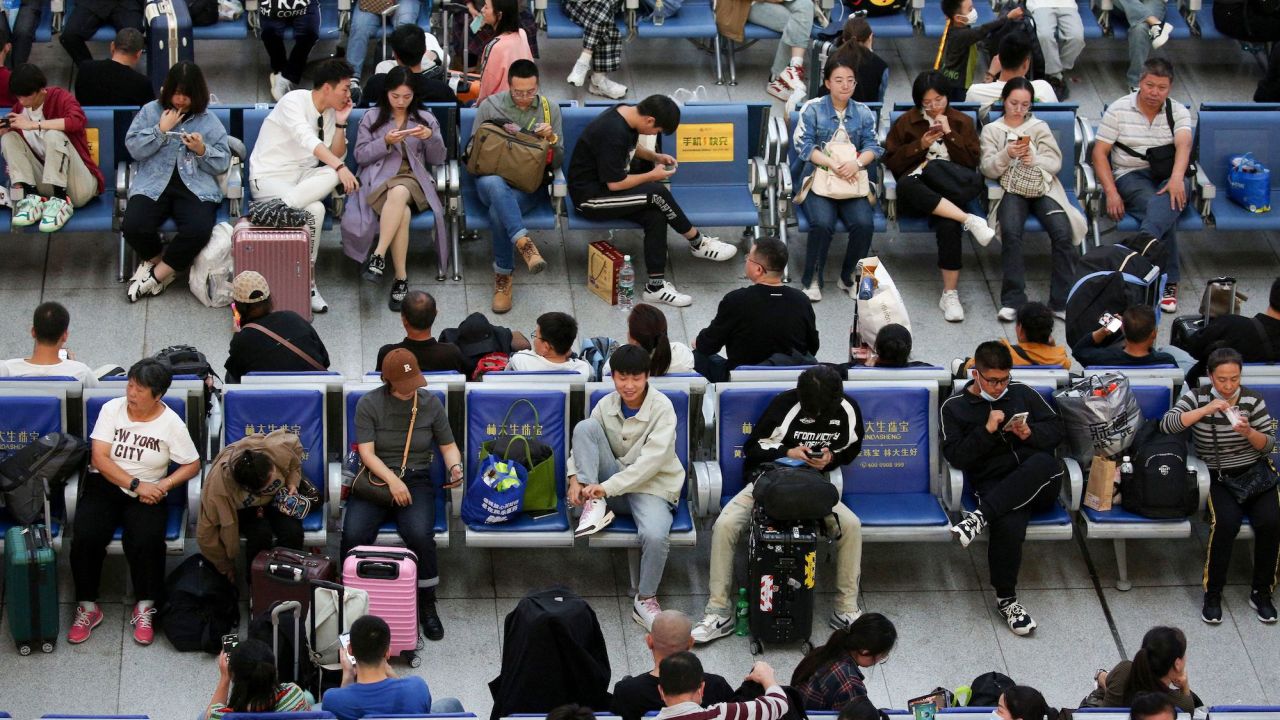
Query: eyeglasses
[524,93]
[935,103]
[997,382]
[758,264]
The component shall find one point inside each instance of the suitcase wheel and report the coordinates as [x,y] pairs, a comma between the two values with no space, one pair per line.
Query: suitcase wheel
[46,647]
[415,660]
[806,647]
[422,643]
[756,647]
[24,649]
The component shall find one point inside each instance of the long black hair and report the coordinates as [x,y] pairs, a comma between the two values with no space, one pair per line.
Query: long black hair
[253,677]
[871,633]
[1026,703]
[1161,648]
[648,327]
[398,76]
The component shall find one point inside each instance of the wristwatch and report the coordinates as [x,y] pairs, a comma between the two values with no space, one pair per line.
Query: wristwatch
[341,125]
[133,484]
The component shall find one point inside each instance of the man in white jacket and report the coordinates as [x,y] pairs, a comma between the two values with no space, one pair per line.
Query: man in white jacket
[624,461]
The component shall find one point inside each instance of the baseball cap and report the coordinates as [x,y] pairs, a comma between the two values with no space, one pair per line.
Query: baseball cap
[400,370]
[250,287]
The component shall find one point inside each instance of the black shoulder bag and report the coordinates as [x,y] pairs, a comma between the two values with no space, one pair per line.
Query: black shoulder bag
[1160,157]
[1258,479]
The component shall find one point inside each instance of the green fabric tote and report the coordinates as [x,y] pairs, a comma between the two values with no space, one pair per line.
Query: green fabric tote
[540,487]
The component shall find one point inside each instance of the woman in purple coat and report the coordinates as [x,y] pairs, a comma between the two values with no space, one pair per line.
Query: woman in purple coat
[397,145]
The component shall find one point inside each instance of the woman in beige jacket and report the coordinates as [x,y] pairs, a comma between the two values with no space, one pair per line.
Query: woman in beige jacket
[240,495]
[1019,138]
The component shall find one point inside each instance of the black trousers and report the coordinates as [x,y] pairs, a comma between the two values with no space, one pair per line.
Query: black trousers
[918,195]
[264,528]
[85,19]
[194,219]
[23,33]
[306,33]
[1225,516]
[102,508]
[651,206]
[1008,504]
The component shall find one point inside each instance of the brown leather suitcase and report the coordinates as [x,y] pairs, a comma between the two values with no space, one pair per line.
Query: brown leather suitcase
[283,256]
[285,574]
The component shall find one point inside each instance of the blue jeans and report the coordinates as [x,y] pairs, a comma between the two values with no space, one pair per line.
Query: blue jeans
[1013,212]
[446,705]
[653,514]
[415,524]
[822,212]
[365,24]
[507,207]
[1153,212]
[1136,13]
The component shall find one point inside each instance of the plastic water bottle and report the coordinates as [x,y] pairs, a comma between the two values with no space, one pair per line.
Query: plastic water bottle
[1126,470]
[741,611]
[866,287]
[658,13]
[626,284]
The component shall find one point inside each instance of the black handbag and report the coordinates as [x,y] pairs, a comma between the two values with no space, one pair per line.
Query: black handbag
[1160,157]
[1259,478]
[790,492]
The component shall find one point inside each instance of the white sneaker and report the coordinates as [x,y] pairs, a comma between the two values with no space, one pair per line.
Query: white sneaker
[1007,314]
[979,229]
[644,611]
[841,621]
[54,214]
[797,98]
[713,249]
[793,76]
[27,212]
[712,627]
[950,306]
[852,290]
[813,292]
[667,295]
[280,86]
[602,85]
[779,89]
[144,269]
[318,305]
[578,74]
[595,517]
[1160,34]
[143,286]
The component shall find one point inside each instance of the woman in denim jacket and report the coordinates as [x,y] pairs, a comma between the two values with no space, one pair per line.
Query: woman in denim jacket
[181,149]
[820,119]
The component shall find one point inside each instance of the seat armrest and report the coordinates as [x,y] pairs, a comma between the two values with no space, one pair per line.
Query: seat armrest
[784,138]
[454,178]
[707,487]
[540,5]
[123,173]
[953,487]
[994,192]
[1197,466]
[70,494]
[194,487]
[837,478]
[1208,190]
[1194,6]
[251,16]
[334,503]
[786,185]
[1073,488]
[758,181]
[441,178]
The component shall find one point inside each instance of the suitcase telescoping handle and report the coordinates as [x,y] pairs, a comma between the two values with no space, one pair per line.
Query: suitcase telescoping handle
[390,554]
[281,607]
[285,571]
[377,570]
[341,591]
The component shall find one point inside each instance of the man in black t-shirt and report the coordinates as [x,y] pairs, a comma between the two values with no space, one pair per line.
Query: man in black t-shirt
[635,696]
[114,81]
[602,187]
[408,45]
[263,348]
[757,322]
[418,314]
[1138,323]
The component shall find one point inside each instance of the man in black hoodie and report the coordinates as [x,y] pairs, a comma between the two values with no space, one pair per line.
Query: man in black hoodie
[1002,434]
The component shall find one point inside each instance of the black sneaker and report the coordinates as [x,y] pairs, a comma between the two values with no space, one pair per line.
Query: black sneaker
[355,92]
[432,628]
[1020,621]
[373,267]
[399,289]
[969,527]
[1211,610]
[1260,601]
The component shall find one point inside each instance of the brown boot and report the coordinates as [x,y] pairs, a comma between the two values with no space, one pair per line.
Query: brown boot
[531,256]
[501,293]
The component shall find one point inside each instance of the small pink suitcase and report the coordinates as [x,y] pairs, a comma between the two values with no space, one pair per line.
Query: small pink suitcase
[283,256]
[390,576]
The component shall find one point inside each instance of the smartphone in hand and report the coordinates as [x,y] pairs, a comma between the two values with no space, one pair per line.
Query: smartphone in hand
[1017,419]
[229,642]
[1112,323]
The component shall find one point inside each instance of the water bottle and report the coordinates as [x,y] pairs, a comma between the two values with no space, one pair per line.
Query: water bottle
[626,284]
[1126,470]
[658,14]
[866,287]
[741,611]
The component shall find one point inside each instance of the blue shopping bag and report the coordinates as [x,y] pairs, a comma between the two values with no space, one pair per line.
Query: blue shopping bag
[1249,184]
[496,493]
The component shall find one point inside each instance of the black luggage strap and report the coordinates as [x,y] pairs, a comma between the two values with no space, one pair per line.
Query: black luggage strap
[1266,339]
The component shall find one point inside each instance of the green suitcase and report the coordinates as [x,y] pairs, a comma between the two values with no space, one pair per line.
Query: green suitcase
[31,587]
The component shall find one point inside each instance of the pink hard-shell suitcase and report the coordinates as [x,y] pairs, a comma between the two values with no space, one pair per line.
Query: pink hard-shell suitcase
[390,576]
[283,256]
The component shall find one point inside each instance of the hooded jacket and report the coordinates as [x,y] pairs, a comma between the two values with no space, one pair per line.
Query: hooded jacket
[985,456]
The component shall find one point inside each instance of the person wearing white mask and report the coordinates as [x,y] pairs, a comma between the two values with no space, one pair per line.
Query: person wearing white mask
[1002,435]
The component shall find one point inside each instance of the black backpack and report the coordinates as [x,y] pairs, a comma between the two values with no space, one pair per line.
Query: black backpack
[1160,486]
[201,605]
[203,12]
[1110,279]
[44,464]
[289,646]
[987,689]
[1254,21]
[788,492]
[1025,28]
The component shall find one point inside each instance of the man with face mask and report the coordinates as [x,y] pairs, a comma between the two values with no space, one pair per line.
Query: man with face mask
[1002,434]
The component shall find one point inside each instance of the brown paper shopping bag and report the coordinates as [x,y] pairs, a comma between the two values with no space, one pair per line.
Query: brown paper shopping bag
[603,264]
[1102,484]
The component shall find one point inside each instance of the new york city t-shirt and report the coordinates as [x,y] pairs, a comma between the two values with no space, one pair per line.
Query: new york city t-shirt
[144,449]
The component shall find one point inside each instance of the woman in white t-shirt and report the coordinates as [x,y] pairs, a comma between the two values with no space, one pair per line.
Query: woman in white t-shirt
[647,327]
[135,441]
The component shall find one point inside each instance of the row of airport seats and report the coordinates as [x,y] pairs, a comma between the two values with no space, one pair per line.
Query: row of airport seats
[899,486]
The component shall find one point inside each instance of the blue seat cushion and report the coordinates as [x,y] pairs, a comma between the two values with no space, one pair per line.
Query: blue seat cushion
[558,23]
[695,20]
[314,521]
[1055,516]
[476,213]
[896,509]
[717,205]
[95,216]
[752,31]
[7,522]
[682,523]
[1092,30]
[1118,514]
[423,221]
[1181,31]
[225,30]
[897,25]
[557,521]
[1230,216]
[878,221]
[172,526]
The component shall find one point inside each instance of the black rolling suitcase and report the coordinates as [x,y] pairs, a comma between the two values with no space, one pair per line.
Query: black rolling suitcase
[781,567]
[1220,298]
[169,38]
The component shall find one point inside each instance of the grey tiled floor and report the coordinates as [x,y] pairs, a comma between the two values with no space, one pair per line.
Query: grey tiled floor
[937,594]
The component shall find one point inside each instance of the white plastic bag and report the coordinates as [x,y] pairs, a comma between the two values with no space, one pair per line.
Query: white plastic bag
[885,306]
[229,10]
[212,272]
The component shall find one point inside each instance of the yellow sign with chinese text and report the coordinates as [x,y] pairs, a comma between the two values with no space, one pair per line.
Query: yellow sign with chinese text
[704,142]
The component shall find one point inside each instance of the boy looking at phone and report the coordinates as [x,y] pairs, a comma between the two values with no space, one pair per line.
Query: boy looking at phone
[1002,435]
[370,686]
[1137,327]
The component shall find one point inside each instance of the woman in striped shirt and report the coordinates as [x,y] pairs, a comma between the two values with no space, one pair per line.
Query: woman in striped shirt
[247,683]
[1233,432]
